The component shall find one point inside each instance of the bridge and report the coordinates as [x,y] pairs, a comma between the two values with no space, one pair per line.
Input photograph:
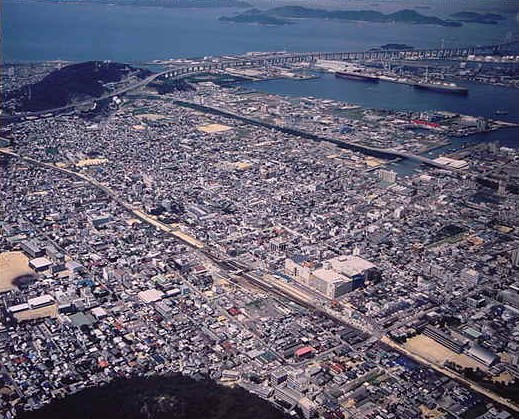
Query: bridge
[280,58]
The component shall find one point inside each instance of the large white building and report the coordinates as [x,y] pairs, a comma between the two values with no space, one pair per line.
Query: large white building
[334,277]
[387,175]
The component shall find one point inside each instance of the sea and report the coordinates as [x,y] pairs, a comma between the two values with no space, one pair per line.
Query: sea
[71,30]
[74,31]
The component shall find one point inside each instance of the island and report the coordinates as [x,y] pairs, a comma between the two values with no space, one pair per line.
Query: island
[286,14]
[256,16]
[473,17]
[177,4]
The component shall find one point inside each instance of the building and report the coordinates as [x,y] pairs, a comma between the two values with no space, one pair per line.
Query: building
[482,355]
[230,375]
[355,267]
[470,275]
[387,175]
[308,408]
[334,277]
[150,296]
[514,256]
[454,163]
[300,268]
[297,380]
[32,248]
[278,376]
[278,244]
[41,301]
[509,297]
[287,395]
[445,339]
[476,301]
[304,352]
[101,220]
[40,264]
[330,283]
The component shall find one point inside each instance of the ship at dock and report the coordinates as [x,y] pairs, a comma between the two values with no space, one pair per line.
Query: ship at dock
[441,87]
[356,75]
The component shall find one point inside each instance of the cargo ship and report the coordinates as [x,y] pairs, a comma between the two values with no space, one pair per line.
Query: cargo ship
[441,87]
[356,75]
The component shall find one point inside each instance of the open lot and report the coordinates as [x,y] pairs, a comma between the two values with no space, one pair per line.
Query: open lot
[37,313]
[433,351]
[212,128]
[12,265]
[90,162]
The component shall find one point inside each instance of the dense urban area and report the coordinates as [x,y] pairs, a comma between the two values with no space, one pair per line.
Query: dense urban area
[265,242]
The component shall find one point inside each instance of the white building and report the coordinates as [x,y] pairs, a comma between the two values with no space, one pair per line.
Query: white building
[334,277]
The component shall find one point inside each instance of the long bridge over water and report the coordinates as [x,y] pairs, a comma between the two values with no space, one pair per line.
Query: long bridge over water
[280,58]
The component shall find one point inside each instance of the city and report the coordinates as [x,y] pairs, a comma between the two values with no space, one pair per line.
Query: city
[333,259]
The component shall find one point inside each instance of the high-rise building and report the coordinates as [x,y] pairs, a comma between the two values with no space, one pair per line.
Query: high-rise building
[514,256]
[387,175]
[501,190]
[470,275]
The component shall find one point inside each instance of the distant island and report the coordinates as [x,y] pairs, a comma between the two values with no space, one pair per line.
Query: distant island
[256,16]
[159,397]
[287,14]
[473,17]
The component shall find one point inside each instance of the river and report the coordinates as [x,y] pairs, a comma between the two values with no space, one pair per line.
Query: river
[482,100]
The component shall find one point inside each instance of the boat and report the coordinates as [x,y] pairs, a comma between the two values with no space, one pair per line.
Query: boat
[501,112]
[441,87]
[356,75]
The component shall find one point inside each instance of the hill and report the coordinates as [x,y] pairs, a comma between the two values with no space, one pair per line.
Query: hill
[473,17]
[159,397]
[69,84]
